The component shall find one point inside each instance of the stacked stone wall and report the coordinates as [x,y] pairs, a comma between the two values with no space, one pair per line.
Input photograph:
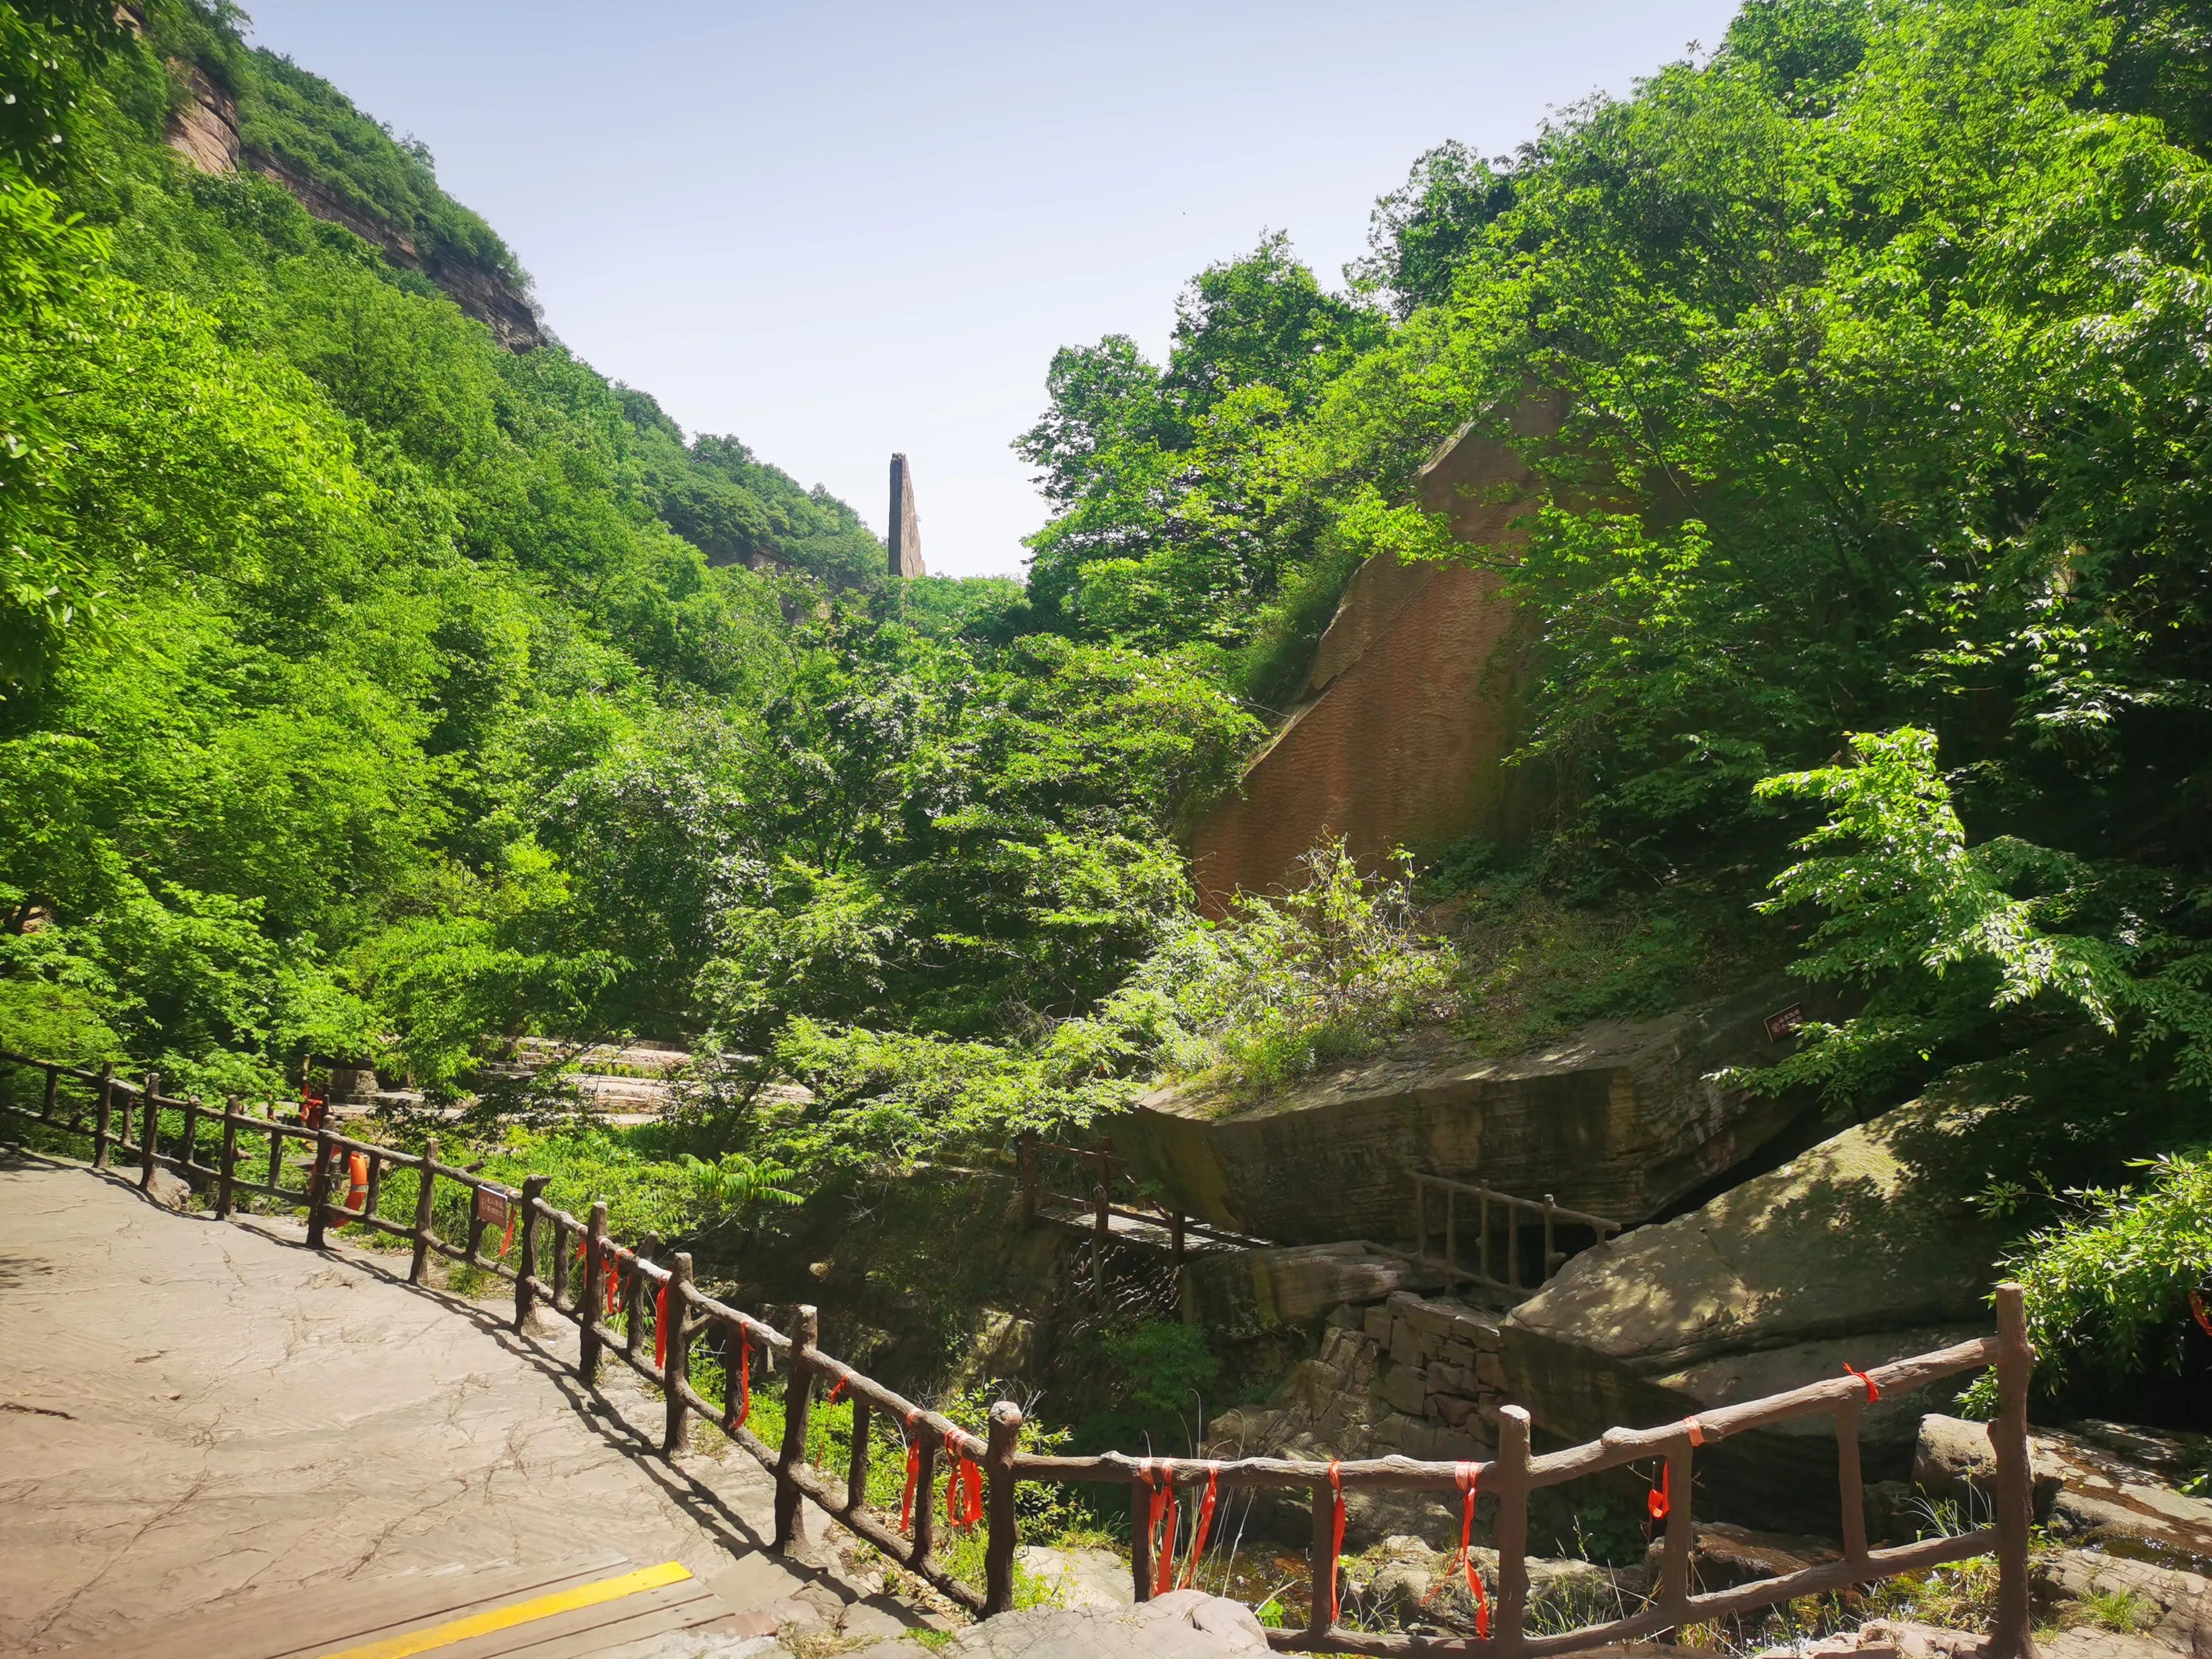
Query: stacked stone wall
[1415,1374]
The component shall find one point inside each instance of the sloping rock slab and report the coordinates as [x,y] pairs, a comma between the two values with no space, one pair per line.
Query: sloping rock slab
[2172,1608]
[2083,1489]
[1181,1625]
[1848,1253]
[1618,1121]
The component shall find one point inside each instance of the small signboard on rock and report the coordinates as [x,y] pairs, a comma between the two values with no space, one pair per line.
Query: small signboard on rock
[491,1206]
[1784,1024]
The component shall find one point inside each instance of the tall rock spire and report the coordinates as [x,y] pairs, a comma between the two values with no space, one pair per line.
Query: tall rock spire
[906,527]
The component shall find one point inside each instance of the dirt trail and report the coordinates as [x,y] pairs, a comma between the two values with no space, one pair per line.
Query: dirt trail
[192,1412]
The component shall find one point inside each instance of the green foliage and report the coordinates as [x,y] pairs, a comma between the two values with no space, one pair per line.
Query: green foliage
[1325,971]
[2108,1289]
[313,130]
[1932,933]
[1421,232]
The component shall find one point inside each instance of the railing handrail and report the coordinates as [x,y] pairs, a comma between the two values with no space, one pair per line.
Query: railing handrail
[613,1272]
[1514,1200]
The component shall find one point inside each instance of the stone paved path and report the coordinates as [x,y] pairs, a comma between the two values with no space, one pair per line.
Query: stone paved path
[192,1412]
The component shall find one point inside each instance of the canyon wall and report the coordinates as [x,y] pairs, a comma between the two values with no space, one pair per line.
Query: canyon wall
[204,130]
[1400,734]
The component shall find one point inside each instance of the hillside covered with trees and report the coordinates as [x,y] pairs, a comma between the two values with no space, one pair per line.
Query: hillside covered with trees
[370,691]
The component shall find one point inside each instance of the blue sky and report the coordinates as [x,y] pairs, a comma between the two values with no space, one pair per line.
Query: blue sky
[840,231]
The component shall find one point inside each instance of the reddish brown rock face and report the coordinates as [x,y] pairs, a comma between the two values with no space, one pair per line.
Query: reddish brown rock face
[1409,713]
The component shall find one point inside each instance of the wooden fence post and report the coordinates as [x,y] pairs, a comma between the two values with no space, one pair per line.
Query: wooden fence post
[591,1298]
[319,1179]
[999,1547]
[276,1150]
[526,1265]
[648,1250]
[1321,1576]
[1140,1541]
[1682,1531]
[228,1162]
[678,1369]
[856,1463]
[52,1092]
[153,1127]
[1511,1531]
[1851,1479]
[798,1400]
[2010,1639]
[103,1115]
[925,1483]
[425,1200]
[191,1133]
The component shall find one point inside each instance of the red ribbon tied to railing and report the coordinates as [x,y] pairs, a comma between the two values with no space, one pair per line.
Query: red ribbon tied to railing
[744,1396]
[963,1493]
[836,1388]
[506,1243]
[2197,1309]
[1469,1476]
[660,1327]
[913,1472]
[1660,1500]
[1336,1546]
[1163,1508]
[1204,1524]
[1874,1393]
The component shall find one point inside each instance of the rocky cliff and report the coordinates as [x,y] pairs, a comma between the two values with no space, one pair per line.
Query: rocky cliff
[204,129]
[1400,734]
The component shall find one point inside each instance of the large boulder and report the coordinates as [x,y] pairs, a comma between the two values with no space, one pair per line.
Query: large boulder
[1181,1625]
[2107,1485]
[1620,1120]
[1857,1251]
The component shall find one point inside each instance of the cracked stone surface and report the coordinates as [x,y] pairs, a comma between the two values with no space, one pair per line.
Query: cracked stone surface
[194,1412]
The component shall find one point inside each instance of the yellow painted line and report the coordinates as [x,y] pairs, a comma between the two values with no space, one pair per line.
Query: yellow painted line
[519,1612]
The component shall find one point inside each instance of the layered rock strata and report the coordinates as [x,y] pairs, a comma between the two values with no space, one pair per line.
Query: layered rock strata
[1619,1122]
[204,129]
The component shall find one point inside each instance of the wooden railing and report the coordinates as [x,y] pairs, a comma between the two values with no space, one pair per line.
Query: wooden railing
[542,1279]
[1438,1197]
[1096,1181]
